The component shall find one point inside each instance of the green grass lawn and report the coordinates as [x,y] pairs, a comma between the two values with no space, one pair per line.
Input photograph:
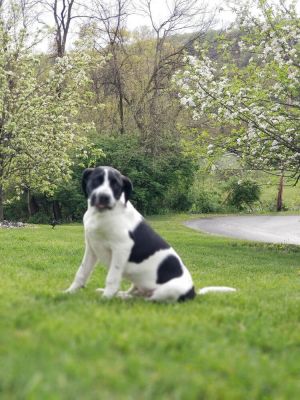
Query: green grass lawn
[244,345]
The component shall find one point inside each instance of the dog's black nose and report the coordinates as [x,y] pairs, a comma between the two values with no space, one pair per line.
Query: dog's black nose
[103,199]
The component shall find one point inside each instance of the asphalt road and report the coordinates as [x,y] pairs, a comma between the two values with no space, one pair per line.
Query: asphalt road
[262,228]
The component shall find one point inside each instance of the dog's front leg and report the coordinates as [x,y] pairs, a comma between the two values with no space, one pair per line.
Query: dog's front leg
[87,265]
[115,273]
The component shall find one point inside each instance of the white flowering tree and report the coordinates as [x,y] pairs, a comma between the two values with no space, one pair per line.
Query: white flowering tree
[251,89]
[39,111]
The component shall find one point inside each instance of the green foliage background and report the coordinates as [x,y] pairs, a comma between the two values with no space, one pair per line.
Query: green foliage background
[161,183]
[127,103]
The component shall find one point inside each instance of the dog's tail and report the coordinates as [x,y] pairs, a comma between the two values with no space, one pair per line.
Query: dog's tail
[214,289]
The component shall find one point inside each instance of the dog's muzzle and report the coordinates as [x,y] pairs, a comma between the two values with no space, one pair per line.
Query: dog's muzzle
[101,202]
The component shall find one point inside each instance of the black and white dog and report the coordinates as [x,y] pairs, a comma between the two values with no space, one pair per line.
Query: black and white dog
[117,235]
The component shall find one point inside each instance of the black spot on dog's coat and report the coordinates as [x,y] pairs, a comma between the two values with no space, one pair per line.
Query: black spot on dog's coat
[85,177]
[116,183]
[170,268]
[92,178]
[146,243]
[127,187]
[189,295]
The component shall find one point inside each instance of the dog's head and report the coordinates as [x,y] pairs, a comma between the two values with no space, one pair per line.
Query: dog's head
[104,186]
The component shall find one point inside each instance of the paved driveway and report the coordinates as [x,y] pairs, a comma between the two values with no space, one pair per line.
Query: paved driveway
[263,228]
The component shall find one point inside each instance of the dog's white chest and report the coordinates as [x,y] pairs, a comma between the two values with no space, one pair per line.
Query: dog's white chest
[108,232]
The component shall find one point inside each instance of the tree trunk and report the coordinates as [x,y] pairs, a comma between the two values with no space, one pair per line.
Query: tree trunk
[121,112]
[56,210]
[1,204]
[279,195]
[32,204]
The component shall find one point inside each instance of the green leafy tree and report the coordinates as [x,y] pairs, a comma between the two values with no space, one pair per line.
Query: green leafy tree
[40,125]
[251,89]
[136,80]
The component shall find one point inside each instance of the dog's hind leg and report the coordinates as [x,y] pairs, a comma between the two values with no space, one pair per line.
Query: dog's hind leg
[122,294]
[126,294]
[132,292]
[168,292]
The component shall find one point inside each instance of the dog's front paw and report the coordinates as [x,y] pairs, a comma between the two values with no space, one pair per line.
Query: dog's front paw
[69,290]
[72,289]
[108,293]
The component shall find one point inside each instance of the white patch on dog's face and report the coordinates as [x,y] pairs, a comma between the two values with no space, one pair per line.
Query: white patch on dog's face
[104,187]
[104,194]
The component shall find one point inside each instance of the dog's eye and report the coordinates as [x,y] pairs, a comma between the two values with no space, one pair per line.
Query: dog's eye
[113,181]
[97,182]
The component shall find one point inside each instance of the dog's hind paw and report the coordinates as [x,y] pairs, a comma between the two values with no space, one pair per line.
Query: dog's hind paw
[124,295]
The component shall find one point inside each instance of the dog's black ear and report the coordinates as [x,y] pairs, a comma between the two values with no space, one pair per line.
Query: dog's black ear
[85,176]
[127,187]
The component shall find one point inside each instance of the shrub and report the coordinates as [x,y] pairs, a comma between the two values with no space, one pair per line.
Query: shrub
[242,194]
[39,218]
[204,194]
[71,198]
[161,182]
[16,210]
[205,202]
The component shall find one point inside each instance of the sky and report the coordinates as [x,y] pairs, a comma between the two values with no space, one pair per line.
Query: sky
[160,11]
